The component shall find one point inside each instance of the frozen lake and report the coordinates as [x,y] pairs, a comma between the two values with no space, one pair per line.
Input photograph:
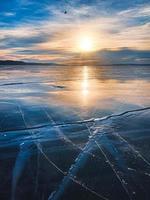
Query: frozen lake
[75,132]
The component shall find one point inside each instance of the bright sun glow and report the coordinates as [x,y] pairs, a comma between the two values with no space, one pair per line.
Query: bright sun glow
[86,44]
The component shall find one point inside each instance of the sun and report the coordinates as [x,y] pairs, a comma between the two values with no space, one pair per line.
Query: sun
[86,44]
[84,41]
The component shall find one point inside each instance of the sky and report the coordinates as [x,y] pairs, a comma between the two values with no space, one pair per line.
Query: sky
[101,31]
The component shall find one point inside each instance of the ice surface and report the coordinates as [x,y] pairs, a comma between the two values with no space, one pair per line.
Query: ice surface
[74,136]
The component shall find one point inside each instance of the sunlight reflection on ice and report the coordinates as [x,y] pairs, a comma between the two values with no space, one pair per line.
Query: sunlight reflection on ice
[85,84]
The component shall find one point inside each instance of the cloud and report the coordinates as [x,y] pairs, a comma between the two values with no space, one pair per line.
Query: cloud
[124,55]
[8,42]
[140,11]
[9,14]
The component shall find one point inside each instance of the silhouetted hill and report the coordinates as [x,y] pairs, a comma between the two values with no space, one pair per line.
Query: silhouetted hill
[12,62]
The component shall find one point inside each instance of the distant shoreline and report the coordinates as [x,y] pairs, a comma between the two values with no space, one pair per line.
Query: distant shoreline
[12,62]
